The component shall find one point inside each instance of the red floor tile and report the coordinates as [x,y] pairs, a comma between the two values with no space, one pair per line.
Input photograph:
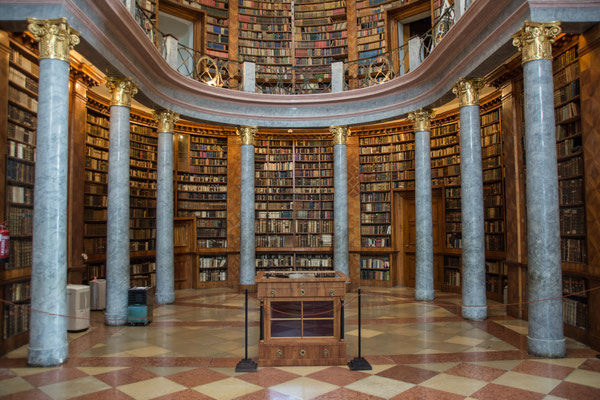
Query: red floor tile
[543,369]
[267,394]
[408,374]
[423,393]
[125,376]
[478,372]
[575,391]
[267,377]
[5,373]
[188,394]
[109,394]
[54,376]
[340,376]
[379,360]
[501,392]
[346,394]
[591,365]
[196,377]
[34,394]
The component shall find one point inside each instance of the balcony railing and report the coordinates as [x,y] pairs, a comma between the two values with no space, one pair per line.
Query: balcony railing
[360,73]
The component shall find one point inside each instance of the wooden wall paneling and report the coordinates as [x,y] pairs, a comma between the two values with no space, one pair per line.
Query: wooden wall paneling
[589,64]
[234,154]
[234,40]
[4,56]
[353,166]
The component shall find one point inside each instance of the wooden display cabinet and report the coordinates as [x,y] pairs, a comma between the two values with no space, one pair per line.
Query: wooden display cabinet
[302,318]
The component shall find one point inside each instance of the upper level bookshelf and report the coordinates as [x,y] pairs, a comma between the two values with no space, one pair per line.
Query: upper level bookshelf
[320,32]
[265,33]
[371,27]
[217,25]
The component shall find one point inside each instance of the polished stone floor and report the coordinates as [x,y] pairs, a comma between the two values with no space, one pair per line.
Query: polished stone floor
[417,350]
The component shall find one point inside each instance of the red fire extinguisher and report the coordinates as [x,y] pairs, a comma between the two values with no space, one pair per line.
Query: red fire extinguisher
[4,243]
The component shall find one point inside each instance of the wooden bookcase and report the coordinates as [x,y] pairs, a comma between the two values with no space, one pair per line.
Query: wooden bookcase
[294,203]
[371,23]
[17,153]
[217,25]
[201,193]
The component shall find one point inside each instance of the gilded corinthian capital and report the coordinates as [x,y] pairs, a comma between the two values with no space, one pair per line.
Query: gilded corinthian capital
[421,119]
[247,134]
[166,120]
[122,89]
[340,134]
[535,40]
[467,91]
[56,38]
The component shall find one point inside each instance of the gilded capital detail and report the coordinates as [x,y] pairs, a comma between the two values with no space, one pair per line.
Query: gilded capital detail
[122,89]
[467,91]
[535,40]
[166,120]
[421,119]
[247,134]
[56,38]
[340,134]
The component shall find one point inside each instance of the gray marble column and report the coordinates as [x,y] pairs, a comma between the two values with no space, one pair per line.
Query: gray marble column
[48,328]
[423,207]
[545,337]
[165,275]
[117,232]
[471,184]
[247,199]
[340,199]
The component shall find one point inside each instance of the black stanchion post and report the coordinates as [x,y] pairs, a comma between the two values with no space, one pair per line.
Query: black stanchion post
[262,316]
[247,364]
[359,363]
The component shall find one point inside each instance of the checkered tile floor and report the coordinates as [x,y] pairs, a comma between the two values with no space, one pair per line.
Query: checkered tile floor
[418,351]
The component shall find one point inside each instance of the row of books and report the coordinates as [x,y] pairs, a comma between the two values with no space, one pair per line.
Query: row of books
[20,254]
[211,243]
[212,276]
[19,78]
[575,313]
[19,291]
[19,195]
[184,177]
[15,320]
[373,275]
[21,116]
[375,263]
[21,172]
[570,191]
[202,196]
[143,268]
[17,58]
[20,221]
[21,134]
[572,221]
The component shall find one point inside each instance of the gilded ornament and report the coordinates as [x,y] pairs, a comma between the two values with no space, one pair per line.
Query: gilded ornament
[122,89]
[56,38]
[535,40]
[421,119]
[166,120]
[247,134]
[467,91]
[340,134]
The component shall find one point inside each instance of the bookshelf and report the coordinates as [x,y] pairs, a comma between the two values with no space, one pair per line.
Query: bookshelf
[202,194]
[19,151]
[569,156]
[371,39]
[217,25]
[320,32]
[452,273]
[294,203]
[265,34]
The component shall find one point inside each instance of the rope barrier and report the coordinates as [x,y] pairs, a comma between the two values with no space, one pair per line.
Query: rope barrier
[445,304]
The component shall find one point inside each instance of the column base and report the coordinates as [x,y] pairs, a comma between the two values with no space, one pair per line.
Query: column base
[47,357]
[474,313]
[115,320]
[546,348]
[164,298]
[424,295]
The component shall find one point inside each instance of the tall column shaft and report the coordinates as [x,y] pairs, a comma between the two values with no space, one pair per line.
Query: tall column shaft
[545,336]
[340,209]
[473,234]
[247,241]
[165,278]
[48,333]
[424,219]
[48,326]
[117,228]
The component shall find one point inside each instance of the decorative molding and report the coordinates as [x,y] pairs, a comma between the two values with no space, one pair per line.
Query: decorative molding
[56,38]
[340,134]
[467,91]
[247,133]
[166,120]
[122,89]
[535,40]
[421,119]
